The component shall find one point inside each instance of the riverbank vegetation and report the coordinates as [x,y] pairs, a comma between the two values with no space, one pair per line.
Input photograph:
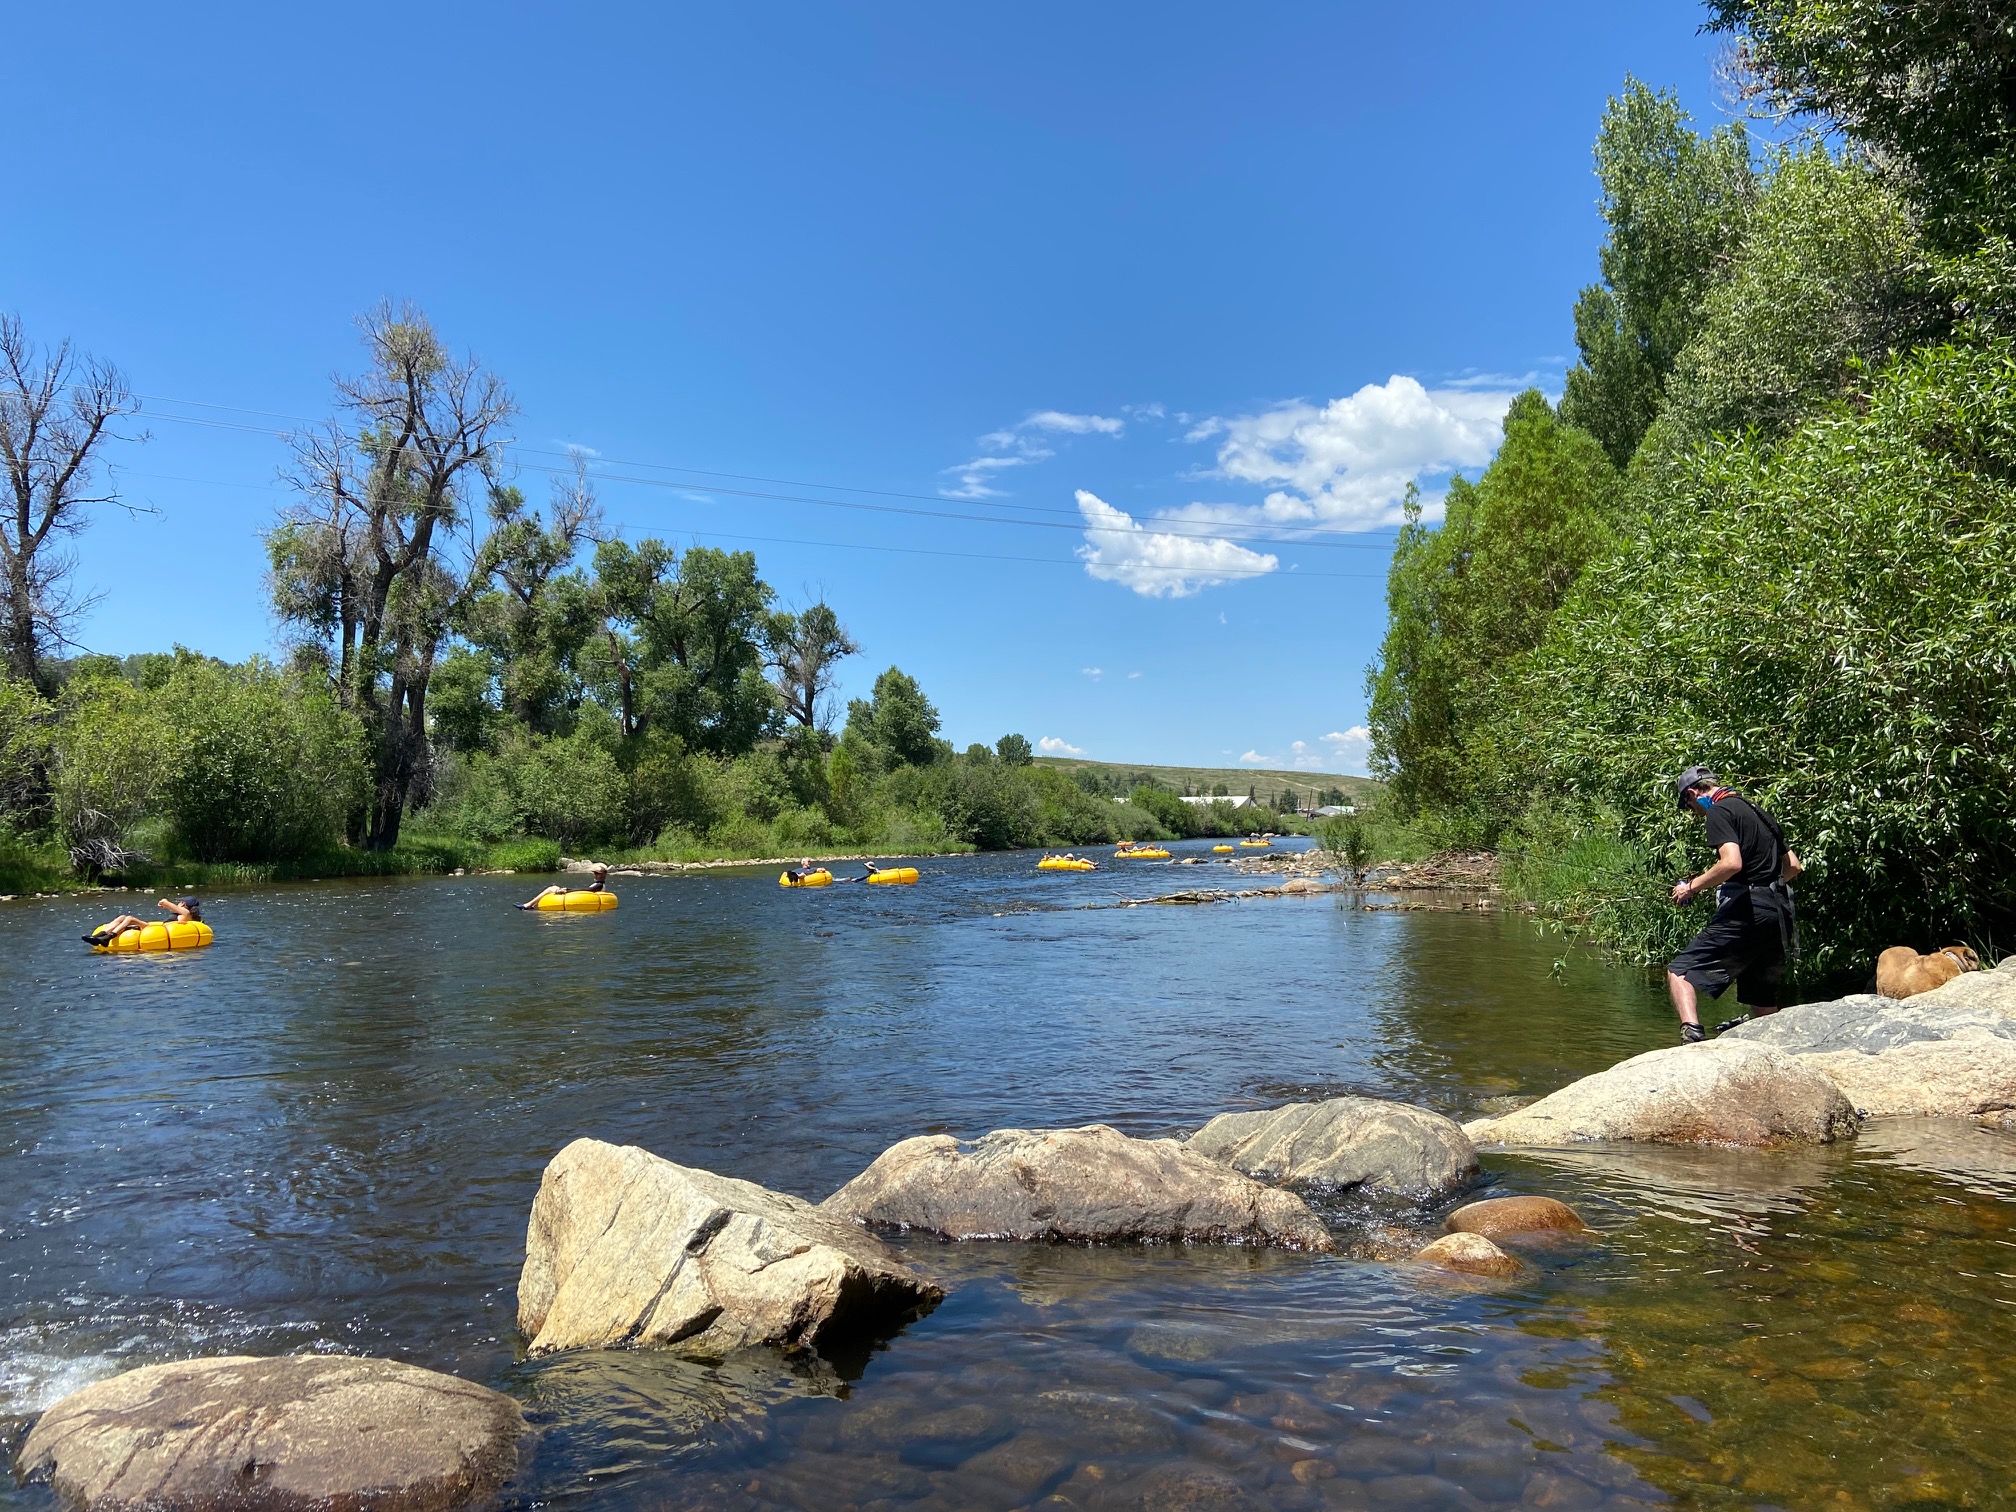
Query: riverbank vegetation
[1770,525]
[467,679]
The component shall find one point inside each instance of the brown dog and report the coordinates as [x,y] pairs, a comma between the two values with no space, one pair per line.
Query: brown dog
[1901,972]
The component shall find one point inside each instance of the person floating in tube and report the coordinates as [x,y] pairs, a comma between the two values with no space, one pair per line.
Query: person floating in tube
[186,911]
[1754,932]
[801,871]
[600,883]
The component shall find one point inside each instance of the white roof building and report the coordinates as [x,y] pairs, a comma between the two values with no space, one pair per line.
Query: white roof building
[1242,801]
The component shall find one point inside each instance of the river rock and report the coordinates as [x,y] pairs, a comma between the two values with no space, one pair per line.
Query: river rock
[1361,1142]
[1941,1053]
[1089,1185]
[1727,1092]
[295,1432]
[1503,1217]
[1472,1254]
[624,1248]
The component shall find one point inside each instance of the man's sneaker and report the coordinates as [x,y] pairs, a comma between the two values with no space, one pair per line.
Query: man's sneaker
[1727,1024]
[1690,1034]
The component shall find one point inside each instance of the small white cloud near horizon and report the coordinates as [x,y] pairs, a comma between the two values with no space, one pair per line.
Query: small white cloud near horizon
[1132,675]
[1160,564]
[1095,673]
[1340,751]
[1346,465]
[1051,745]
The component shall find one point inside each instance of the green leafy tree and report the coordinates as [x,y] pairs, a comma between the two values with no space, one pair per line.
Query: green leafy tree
[898,720]
[681,651]
[1929,87]
[1830,282]
[1015,750]
[1675,204]
[1465,600]
[805,651]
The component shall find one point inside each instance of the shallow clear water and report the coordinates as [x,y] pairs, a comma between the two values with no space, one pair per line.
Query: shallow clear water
[324,1132]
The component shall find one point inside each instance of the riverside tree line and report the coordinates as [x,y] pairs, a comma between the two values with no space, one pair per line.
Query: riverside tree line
[468,676]
[1771,525]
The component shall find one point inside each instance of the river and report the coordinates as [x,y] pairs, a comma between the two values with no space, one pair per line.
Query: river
[324,1133]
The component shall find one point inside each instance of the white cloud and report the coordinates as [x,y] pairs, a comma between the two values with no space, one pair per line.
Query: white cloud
[1095,673]
[1157,564]
[1073,425]
[974,476]
[1345,465]
[1017,446]
[1050,745]
[1132,675]
[1340,750]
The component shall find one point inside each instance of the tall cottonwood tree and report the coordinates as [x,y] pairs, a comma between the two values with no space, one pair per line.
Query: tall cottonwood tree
[375,560]
[57,409]
[804,651]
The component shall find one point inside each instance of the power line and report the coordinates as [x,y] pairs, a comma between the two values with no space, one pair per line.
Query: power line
[1076,524]
[969,556]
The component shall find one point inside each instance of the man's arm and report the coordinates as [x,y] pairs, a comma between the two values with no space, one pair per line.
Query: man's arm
[1728,862]
[1793,866]
[181,913]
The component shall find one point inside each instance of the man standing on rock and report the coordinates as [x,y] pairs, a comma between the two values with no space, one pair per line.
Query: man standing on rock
[1751,937]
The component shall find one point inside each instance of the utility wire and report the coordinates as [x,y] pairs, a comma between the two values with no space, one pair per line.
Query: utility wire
[969,556]
[1076,524]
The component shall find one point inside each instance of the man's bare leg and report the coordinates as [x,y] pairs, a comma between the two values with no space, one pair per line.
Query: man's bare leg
[1682,992]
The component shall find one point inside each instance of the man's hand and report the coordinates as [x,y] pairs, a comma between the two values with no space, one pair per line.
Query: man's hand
[1683,892]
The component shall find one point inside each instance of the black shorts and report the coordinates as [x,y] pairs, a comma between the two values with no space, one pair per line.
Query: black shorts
[1744,943]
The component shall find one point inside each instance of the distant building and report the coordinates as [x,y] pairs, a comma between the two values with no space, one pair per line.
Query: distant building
[1242,801]
[1335,811]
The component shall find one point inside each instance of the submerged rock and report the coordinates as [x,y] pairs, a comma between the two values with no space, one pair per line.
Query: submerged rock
[1472,1254]
[1361,1142]
[1087,1185]
[1500,1217]
[1728,1092]
[624,1248]
[295,1432]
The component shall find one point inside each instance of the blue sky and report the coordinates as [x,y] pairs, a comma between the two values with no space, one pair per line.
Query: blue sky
[1127,323]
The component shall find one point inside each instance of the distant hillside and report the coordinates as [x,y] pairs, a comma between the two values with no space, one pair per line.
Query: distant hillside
[1118,777]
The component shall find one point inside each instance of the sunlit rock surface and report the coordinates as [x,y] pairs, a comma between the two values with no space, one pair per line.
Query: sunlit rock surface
[293,1432]
[1088,1185]
[624,1248]
[1359,1142]
[1727,1092]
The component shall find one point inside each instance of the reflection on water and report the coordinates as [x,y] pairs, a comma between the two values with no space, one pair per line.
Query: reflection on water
[325,1131]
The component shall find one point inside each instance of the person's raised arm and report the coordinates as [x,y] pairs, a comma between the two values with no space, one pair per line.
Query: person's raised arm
[1728,862]
[1792,868]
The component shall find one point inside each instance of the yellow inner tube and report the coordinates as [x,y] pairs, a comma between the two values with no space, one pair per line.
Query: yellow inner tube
[893,876]
[1150,853]
[180,935]
[1221,850]
[1256,844]
[1059,863]
[819,878]
[577,902]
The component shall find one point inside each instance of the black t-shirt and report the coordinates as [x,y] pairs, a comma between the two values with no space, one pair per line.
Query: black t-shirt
[1736,818]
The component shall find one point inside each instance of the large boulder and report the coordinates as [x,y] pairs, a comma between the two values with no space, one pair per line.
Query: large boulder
[1089,1185]
[1729,1092]
[1359,1142]
[624,1248]
[327,1432]
[1948,1052]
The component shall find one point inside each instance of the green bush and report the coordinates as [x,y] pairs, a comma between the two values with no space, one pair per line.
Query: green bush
[1832,627]
[256,769]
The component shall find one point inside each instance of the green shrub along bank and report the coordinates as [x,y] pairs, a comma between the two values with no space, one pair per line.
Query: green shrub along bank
[1771,527]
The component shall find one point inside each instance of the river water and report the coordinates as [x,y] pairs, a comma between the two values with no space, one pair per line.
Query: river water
[325,1131]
